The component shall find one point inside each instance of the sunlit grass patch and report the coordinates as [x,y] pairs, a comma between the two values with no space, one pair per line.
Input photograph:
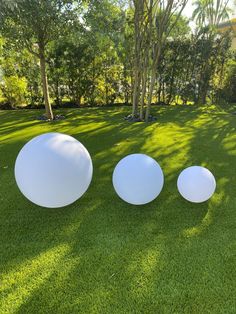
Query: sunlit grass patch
[101,255]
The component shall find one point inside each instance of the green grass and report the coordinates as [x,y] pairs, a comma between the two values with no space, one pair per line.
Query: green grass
[101,255]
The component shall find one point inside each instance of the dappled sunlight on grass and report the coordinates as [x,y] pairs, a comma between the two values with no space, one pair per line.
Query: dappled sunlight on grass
[75,222]
[229,143]
[142,269]
[124,148]
[197,230]
[170,147]
[102,255]
[213,205]
[18,285]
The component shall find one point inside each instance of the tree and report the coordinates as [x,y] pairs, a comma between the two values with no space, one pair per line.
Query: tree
[208,14]
[154,21]
[166,18]
[33,24]
[105,23]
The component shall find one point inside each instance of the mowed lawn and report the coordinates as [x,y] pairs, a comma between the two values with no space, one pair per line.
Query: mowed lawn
[101,255]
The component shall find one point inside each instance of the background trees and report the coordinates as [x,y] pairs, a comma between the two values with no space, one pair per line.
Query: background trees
[106,52]
[33,24]
[209,13]
[153,21]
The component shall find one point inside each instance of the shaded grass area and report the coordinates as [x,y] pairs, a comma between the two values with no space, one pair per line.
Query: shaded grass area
[101,255]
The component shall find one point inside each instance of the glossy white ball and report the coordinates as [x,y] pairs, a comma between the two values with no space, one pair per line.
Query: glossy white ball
[138,179]
[53,170]
[196,184]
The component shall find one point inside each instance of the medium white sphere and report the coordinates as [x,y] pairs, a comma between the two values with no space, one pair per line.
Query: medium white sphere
[138,179]
[53,170]
[196,184]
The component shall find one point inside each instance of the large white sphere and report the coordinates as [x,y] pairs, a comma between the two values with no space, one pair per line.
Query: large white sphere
[53,170]
[138,179]
[196,184]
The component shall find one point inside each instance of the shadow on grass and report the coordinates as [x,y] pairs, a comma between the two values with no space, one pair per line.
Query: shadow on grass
[101,255]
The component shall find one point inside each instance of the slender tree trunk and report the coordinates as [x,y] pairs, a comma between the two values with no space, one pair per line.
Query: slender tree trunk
[44,79]
[146,57]
[91,95]
[152,83]
[172,81]
[158,89]
[131,89]
[136,93]
[125,85]
[150,93]
[106,92]
[159,94]
[78,100]
[57,93]
[177,100]
[164,92]
[144,87]
[137,60]
[170,95]
[31,94]
[203,95]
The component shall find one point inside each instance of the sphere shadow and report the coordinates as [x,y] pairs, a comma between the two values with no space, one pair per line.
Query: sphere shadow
[112,255]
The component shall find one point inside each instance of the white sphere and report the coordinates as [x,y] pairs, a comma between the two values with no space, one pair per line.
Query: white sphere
[138,179]
[53,170]
[196,184]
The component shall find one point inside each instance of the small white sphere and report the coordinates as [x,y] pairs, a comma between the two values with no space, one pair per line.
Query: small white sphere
[138,179]
[196,184]
[53,170]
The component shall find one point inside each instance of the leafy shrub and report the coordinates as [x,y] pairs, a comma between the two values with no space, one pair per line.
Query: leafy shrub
[14,89]
[229,90]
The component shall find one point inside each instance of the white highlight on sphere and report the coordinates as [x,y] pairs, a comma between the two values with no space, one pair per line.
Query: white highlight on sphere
[196,184]
[53,170]
[138,179]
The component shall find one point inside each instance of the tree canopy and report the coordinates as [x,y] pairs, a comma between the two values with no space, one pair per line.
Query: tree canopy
[106,52]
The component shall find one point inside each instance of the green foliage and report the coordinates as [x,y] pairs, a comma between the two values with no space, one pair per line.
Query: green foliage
[86,64]
[89,54]
[209,13]
[229,89]
[33,22]
[14,90]
[191,67]
[21,64]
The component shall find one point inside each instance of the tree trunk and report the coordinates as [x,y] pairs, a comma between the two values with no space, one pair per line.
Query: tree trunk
[106,92]
[78,100]
[203,96]
[150,93]
[144,87]
[137,65]
[136,94]
[44,79]
[126,86]
[57,93]
[152,83]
